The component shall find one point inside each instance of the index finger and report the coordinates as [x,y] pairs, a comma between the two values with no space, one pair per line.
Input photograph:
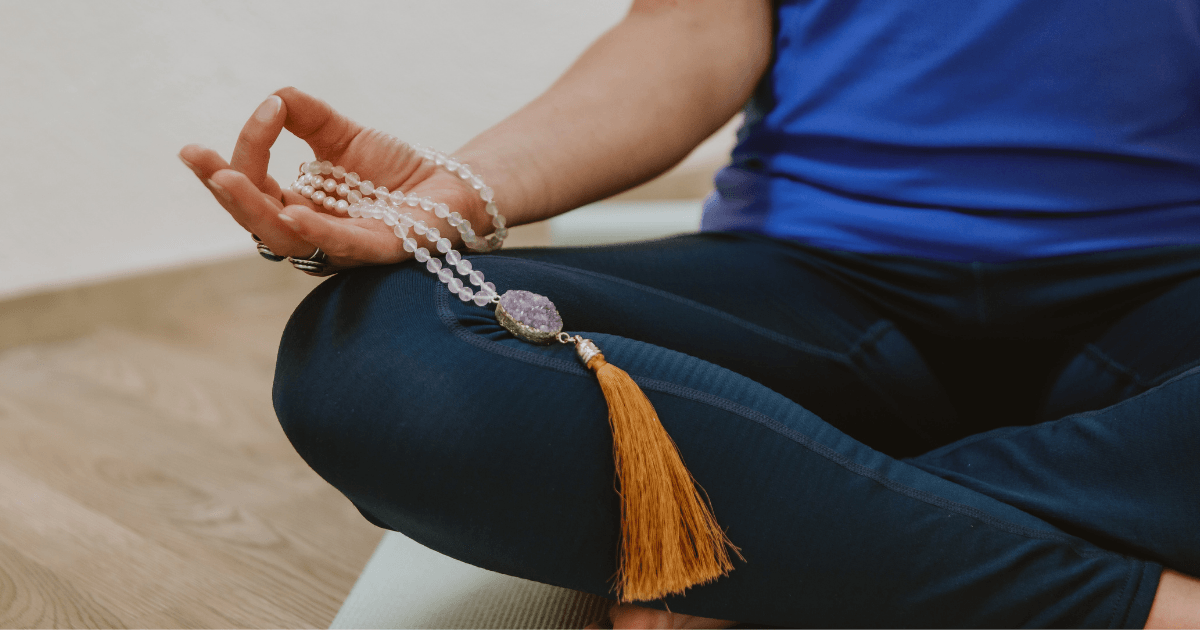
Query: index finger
[312,120]
[253,149]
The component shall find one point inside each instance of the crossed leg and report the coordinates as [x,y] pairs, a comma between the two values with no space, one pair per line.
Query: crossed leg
[436,423]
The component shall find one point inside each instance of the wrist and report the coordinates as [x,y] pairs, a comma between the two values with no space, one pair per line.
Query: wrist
[477,216]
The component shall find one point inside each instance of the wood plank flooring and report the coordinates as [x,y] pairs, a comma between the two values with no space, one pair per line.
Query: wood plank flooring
[144,480]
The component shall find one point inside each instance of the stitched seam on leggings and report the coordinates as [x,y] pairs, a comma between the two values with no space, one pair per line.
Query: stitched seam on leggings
[755,328]
[1109,363]
[1112,611]
[1170,374]
[874,333]
[1131,399]
[1094,351]
[711,400]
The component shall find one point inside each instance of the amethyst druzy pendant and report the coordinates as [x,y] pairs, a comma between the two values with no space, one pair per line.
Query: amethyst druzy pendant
[529,316]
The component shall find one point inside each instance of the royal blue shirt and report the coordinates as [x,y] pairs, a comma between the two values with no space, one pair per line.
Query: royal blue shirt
[981,130]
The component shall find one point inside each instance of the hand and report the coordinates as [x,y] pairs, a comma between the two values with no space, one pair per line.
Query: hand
[291,225]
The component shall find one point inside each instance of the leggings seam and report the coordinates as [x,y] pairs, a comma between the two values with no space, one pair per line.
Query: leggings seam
[771,424]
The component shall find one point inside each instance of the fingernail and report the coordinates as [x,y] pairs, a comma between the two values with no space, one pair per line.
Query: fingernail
[187,163]
[216,188]
[266,112]
[285,218]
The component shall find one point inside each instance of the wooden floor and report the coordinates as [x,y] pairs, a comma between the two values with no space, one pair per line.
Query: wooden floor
[144,480]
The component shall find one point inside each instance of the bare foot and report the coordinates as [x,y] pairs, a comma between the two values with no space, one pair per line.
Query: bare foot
[1176,603]
[630,616]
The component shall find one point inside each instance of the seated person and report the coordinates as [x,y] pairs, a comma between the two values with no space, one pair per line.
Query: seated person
[933,356]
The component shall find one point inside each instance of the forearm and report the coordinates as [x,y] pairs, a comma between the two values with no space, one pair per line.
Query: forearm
[633,105]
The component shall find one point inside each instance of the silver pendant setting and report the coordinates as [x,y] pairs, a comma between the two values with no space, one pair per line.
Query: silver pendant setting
[529,317]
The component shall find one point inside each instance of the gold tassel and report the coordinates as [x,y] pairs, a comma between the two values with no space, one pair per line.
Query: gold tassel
[670,540]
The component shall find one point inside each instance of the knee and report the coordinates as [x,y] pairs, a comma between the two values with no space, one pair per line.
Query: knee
[349,391]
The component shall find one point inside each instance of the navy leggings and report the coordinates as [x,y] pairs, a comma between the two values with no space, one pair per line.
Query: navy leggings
[891,441]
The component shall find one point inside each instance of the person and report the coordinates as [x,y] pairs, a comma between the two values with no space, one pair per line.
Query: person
[933,356]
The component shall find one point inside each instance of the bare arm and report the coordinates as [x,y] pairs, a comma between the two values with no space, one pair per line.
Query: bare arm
[635,104]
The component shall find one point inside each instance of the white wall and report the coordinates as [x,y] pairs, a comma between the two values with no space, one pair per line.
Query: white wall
[96,98]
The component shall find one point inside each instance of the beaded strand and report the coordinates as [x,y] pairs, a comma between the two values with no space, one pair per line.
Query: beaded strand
[318,181]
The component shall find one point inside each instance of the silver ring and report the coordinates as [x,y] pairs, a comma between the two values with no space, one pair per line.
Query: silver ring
[265,251]
[315,265]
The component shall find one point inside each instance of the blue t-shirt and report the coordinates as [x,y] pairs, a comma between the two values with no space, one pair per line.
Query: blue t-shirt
[973,130]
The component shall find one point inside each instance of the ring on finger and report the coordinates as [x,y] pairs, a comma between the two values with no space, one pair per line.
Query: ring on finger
[315,265]
[265,251]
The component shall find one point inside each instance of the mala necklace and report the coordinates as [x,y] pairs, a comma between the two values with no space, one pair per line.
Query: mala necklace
[670,540]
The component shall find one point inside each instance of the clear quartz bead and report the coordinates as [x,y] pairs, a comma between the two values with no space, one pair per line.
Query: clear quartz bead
[477,183]
[491,209]
[326,167]
[354,196]
[455,285]
[498,221]
[452,165]
[487,194]
[342,205]
[420,227]
[465,226]
[407,221]
[410,244]
[433,234]
[422,254]
[434,265]
[330,203]
[465,294]
[489,288]
[443,245]
[438,159]
[441,210]
[426,204]
[313,167]
[445,274]
[463,267]
[389,219]
[400,231]
[380,192]
[397,197]
[329,185]
[412,200]
[354,211]
[307,191]
[366,187]
[318,196]
[343,190]
[455,219]
[482,299]
[469,239]
[464,172]
[353,180]
[476,278]
[338,172]
[452,257]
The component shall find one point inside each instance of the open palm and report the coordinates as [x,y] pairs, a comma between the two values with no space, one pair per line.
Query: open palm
[291,225]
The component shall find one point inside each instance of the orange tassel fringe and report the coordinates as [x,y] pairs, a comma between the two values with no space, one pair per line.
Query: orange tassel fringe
[670,540]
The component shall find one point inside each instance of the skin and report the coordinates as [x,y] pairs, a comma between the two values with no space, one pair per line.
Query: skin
[633,105]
